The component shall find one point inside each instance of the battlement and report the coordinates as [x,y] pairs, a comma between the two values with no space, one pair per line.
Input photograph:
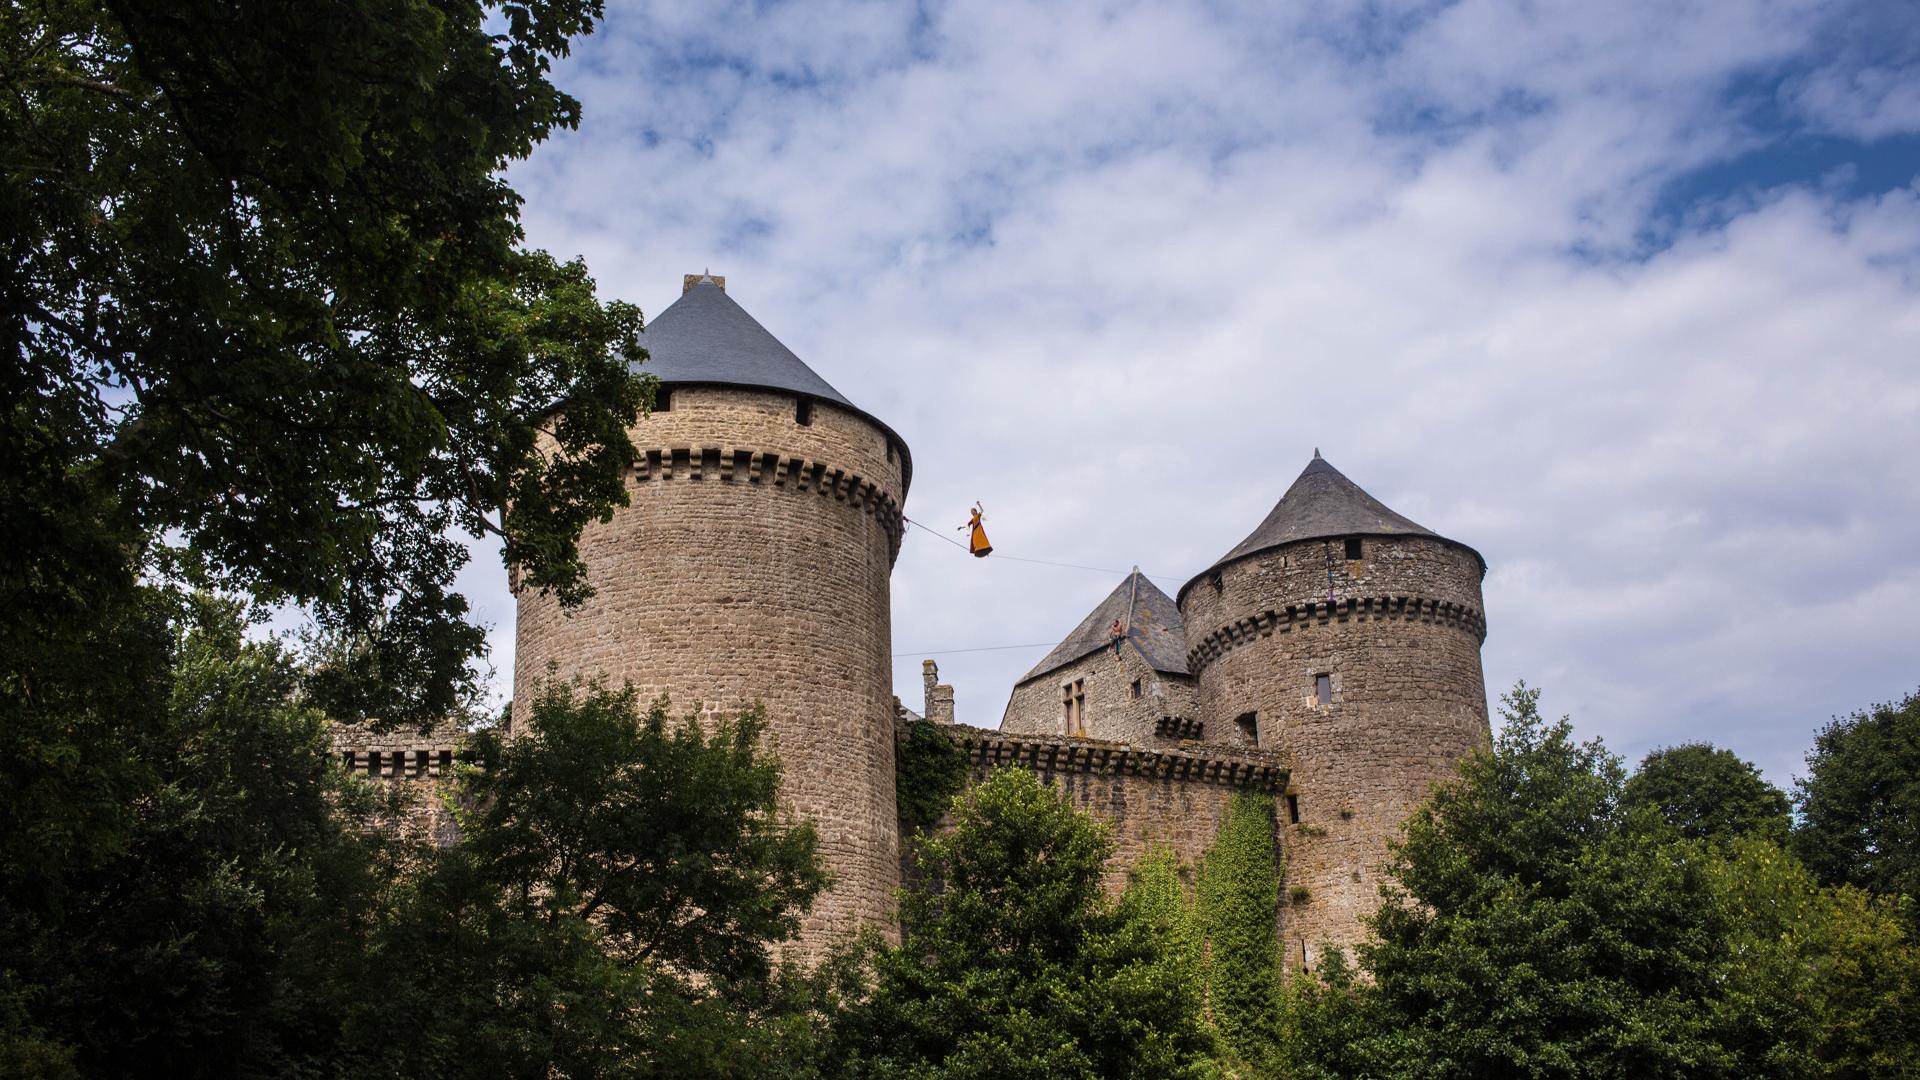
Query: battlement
[1310,614]
[396,755]
[1048,754]
[732,464]
[1179,727]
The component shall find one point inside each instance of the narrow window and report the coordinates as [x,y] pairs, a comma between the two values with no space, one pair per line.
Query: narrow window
[1136,688]
[1293,809]
[663,400]
[1323,689]
[889,451]
[1249,725]
[1353,548]
[803,412]
[1213,579]
[1074,707]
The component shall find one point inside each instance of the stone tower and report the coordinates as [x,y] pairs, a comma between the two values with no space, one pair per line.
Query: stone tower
[1348,638]
[753,565]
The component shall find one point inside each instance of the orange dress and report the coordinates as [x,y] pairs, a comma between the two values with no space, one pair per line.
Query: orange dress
[977,536]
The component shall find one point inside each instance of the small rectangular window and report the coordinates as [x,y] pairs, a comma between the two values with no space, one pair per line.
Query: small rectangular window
[1136,688]
[1249,725]
[889,451]
[1353,548]
[1293,809]
[663,400]
[1323,689]
[803,412]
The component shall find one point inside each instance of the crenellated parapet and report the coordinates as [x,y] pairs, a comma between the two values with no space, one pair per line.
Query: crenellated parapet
[1055,754]
[733,464]
[1310,614]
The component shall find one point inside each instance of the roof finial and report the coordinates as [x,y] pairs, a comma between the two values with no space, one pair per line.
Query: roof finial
[1316,451]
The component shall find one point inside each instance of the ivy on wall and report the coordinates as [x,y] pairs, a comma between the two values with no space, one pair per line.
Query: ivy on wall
[1157,896]
[1239,900]
[929,770]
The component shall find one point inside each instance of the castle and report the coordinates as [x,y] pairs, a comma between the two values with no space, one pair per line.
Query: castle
[1330,661]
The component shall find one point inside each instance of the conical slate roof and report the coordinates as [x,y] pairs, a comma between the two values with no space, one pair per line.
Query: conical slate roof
[1152,622]
[1323,505]
[704,337]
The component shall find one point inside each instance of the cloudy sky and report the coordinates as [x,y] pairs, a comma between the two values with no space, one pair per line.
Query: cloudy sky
[1626,295]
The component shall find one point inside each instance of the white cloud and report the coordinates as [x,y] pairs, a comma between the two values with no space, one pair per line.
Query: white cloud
[1118,269]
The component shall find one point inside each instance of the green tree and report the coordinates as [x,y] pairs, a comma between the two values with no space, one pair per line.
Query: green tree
[268,316]
[1860,802]
[612,908]
[1537,928]
[1708,794]
[1014,964]
[1239,889]
[208,936]
[1815,982]
[271,329]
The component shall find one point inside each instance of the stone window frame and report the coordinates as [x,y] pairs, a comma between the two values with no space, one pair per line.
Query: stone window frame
[1136,690]
[803,412]
[1073,702]
[1322,688]
[1354,549]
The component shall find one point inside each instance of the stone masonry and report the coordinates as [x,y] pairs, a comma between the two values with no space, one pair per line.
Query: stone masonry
[752,566]
[1399,645]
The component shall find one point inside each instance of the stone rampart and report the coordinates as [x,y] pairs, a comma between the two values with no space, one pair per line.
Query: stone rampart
[1167,795]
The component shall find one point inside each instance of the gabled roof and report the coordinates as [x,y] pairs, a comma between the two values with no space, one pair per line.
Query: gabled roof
[1323,504]
[704,337]
[1152,622]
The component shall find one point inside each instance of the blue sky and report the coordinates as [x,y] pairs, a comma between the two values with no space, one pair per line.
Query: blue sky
[1623,295]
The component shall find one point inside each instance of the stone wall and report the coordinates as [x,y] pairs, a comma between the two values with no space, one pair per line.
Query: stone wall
[1113,713]
[410,767]
[1173,796]
[1400,641]
[753,565]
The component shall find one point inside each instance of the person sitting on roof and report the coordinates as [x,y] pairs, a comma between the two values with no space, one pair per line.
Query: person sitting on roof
[1118,633]
[977,534]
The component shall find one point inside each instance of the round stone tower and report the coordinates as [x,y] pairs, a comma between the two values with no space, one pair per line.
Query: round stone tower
[1348,638]
[752,566]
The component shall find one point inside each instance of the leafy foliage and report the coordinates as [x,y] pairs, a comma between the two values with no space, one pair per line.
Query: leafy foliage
[1013,963]
[1816,982]
[269,320]
[1239,891]
[929,770]
[1544,925]
[1860,803]
[200,931]
[1540,928]
[610,911]
[1708,794]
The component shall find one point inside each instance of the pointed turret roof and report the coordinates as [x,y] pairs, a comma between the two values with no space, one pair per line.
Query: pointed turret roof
[1150,617]
[706,338]
[1323,504]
